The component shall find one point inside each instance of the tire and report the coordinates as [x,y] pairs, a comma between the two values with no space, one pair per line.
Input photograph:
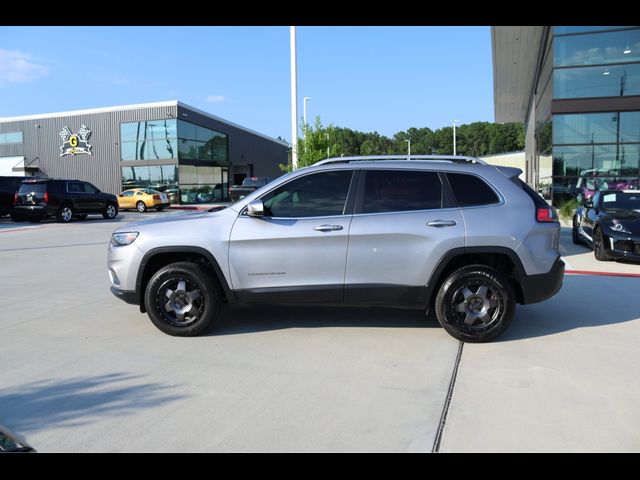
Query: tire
[141,207]
[65,214]
[82,217]
[487,313]
[17,218]
[159,208]
[35,219]
[110,211]
[598,246]
[170,287]
[575,236]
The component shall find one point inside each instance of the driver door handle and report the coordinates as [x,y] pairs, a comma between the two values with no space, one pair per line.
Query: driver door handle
[442,223]
[327,228]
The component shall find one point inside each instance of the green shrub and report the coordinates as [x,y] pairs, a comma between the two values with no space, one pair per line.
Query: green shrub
[567,208]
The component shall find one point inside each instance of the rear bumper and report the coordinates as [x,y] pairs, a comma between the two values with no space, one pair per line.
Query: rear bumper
[537,288]
[32,211]
[127,296]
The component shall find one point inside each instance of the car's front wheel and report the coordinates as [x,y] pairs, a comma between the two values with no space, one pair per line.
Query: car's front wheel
[598,246]
[575,235]
[475,304]
[182,299]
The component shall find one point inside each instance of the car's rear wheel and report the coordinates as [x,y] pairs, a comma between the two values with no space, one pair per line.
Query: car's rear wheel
[141,207]
[110,211]
[475,304]
[598,247]
[65,214]
[159,208]
[182,299]
[17,218]
[575,235]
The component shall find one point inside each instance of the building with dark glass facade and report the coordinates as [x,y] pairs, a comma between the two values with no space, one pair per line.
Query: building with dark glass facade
[578,91]
[168,146]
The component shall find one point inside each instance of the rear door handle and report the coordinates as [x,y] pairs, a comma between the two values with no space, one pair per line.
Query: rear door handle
[327,228]
[442,223]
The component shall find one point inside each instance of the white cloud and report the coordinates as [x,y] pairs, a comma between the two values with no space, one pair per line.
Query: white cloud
[18,67]
[215,98]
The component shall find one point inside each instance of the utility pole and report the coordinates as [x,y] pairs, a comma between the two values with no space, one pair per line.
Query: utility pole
[294,98]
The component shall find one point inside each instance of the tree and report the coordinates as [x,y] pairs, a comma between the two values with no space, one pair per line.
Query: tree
[316,145]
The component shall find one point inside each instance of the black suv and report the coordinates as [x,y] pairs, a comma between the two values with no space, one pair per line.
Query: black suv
[64,199]
[8,188]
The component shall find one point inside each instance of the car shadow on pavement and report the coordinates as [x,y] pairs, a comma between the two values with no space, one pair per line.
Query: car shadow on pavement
[77,401]
[584,301]
[258,318]
[568,247]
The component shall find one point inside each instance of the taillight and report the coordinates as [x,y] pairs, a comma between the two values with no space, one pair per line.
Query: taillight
[46,197]
[156,197]
[15,198]
[546,214]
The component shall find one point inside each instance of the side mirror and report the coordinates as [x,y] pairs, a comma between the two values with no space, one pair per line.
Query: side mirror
[255,209]
[588,204]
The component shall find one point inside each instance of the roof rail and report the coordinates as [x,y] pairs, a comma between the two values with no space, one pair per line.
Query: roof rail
[432,158]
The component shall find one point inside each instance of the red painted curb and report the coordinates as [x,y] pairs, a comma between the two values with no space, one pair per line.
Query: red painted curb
[601,274]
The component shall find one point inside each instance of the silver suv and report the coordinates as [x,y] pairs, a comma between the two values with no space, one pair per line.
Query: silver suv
[454,234]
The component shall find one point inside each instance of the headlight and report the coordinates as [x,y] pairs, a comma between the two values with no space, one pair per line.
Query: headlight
[123,238]
[619,227]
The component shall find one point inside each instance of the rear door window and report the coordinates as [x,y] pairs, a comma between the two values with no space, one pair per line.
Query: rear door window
[401,191]
[471,190]
[75,187]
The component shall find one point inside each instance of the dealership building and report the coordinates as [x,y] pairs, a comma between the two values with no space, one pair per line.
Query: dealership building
[168,146]
[577,89]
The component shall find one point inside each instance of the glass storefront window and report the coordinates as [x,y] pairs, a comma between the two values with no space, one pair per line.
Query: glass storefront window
[605,81]
[148,130]
[200,143]
[148,140]
[599,48]
[163,178]
[577,29]
[187,149]
[612,159]
[186,130]
[597,127]
[10,137]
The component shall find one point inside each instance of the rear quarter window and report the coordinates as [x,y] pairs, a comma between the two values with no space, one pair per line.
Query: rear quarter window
[470,190]
[538,201]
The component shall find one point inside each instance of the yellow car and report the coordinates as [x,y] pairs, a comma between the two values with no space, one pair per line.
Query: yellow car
[143,198]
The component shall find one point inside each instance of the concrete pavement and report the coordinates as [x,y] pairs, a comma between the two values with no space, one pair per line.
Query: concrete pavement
[83,371]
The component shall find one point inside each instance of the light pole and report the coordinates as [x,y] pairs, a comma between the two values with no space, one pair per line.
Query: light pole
[304,109]
[294,99]
[454,136]
[408,140]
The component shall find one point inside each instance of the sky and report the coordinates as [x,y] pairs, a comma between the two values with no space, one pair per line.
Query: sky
[383,79]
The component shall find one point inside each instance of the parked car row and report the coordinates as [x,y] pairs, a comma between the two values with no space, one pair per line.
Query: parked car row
[35,198]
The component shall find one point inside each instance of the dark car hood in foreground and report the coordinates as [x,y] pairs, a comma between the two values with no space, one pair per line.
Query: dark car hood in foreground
[629,218]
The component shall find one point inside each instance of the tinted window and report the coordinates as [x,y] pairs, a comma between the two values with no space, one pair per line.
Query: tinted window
[316,195]
[399,190]
[33,187]
[88,188]
[537,199]
[127,194]
[627,201]
[75,187]
[471,190]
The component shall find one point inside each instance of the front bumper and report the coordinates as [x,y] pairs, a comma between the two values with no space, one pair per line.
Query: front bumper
[537,288]
[127,296]
[621,245]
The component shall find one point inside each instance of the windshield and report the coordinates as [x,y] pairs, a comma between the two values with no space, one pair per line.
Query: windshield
[253,182]
[627,201]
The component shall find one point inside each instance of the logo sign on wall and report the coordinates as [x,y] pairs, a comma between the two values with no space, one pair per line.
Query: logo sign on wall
[75,144]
